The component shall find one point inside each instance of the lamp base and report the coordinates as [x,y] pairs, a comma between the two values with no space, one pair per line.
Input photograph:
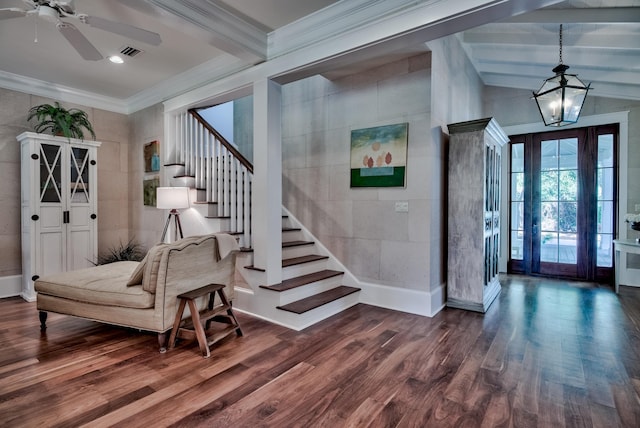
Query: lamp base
[177,225]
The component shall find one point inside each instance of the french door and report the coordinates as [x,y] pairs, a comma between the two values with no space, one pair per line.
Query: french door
[562,203]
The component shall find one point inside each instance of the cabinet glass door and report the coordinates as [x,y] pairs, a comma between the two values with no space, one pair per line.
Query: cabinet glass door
[79,178]
[50,173]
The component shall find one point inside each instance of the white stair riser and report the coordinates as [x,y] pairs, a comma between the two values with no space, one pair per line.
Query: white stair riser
[302,250]
[206,210]
[303,269]
[173,170]
[182,182]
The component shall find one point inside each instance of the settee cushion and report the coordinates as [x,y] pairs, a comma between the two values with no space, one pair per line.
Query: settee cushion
[136,276]
[152,262]
[101,285]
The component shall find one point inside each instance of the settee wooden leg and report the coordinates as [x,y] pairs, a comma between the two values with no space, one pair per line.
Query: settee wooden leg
[43,320]
[162,341]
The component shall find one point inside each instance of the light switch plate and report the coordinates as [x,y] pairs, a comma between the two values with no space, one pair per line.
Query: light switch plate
[402,207]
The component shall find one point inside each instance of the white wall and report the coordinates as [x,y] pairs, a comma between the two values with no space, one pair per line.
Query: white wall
[360,225]
[146,222]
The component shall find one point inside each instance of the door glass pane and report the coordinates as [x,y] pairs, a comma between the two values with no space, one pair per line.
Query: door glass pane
[604,246]
[517,215]
[549,247]
[605,184]
[605,151]
[605,214]
[549,186]
[567,248]
[568,185]
[606,209]
[517,186]
[567,216]
[517,245]
[549,216]
[568,150]
[517,157]
[549,155]
[50,173]
[517,201]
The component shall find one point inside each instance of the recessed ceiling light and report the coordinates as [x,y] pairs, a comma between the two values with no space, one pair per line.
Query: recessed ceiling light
[116,59]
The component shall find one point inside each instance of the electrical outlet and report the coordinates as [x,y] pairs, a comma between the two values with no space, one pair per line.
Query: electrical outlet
[402,207]
[637,207]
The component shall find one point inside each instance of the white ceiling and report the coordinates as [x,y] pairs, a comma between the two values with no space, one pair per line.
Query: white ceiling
[217,37]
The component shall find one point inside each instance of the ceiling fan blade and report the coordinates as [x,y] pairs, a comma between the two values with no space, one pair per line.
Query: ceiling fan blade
[11,12]
[79,42]
[125,30]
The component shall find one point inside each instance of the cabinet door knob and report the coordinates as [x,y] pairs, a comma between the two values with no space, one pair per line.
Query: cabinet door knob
[93,162]
[35,217]
[93,216]
[35,277]
[35,156]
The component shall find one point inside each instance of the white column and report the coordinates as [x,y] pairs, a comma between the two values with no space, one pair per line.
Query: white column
[267,179]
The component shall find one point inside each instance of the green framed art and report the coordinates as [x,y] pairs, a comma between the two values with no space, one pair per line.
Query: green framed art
[379,156]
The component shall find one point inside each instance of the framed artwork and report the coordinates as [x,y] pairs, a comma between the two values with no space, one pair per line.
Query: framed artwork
[151,156]
[151,179]
[379,156]
[149,186]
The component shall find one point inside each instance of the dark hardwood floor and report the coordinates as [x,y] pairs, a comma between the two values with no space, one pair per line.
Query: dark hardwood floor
[548,354]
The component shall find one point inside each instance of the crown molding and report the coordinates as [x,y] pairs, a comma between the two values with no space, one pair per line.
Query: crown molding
[202,74]
[54,91]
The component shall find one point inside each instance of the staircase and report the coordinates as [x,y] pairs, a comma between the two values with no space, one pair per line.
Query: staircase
[313,281]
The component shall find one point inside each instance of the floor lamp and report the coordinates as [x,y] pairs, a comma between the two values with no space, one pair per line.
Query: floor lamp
[172,198]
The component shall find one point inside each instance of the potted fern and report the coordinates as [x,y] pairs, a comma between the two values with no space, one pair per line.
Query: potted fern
[60,121]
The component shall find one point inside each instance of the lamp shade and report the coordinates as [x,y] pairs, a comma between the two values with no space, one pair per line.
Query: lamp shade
[169,198]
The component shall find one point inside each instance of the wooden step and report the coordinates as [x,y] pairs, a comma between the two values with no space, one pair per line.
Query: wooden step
[299,281]
[303,259]
[294,261]
[312,302]
[290,244]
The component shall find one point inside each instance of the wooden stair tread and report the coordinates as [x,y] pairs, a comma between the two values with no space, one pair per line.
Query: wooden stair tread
[294,261]
[299,281]
[317,300]
[302,259]
[290,244]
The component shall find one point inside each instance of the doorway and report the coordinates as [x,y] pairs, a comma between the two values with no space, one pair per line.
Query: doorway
[563,203]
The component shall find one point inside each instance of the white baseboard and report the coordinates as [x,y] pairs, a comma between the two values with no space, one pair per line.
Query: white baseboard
[425,303]
[10,286]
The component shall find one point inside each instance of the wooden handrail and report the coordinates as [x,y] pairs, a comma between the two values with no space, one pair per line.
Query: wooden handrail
[244,161]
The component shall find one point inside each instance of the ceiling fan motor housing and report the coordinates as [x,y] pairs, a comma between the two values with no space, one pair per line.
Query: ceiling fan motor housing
[67,6]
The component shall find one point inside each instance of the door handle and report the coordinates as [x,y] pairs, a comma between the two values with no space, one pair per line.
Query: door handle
[65,217]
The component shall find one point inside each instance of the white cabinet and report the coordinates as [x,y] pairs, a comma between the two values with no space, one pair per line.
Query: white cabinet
[474,213]
[59,206]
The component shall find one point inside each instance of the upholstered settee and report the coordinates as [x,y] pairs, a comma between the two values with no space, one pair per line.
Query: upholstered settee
[141,295]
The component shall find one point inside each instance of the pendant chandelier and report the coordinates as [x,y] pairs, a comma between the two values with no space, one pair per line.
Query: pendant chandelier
[560,97]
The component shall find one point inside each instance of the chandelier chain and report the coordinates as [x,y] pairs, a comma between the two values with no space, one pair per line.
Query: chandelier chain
[560,43]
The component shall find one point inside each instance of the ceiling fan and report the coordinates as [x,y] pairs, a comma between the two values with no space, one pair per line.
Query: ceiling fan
[56,10]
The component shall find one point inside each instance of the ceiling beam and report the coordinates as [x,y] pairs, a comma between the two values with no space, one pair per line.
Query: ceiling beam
[212,23]
[593,39]
[604,15]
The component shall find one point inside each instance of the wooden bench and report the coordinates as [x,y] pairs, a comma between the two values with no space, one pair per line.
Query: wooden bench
[191,328]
